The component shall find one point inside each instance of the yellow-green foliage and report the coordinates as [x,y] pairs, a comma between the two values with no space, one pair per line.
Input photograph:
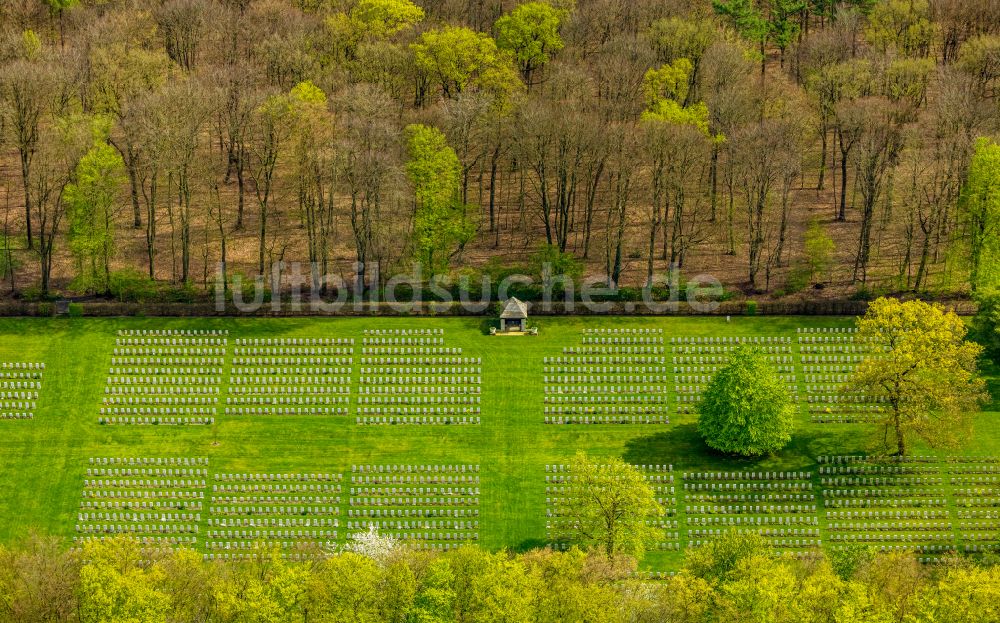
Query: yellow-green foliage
[666,91]
[737,578]
[926,374]
[435,172]
[980,58]
[612,507]
[907,79]
[901,25]
[670,111]
[670,81]
[31,45]
[980,203]
[456,57]
[676,37]
[531,33]
[384,18]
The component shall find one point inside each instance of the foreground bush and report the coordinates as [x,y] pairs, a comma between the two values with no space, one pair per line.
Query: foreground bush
[737,578]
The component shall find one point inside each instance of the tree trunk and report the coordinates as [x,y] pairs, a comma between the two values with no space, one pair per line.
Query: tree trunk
[494,163]
[241,194]
[25,178]
[136,209]
[900,439]
[151,226]
[713,176]
[842,212]
[822,158]
[261,247]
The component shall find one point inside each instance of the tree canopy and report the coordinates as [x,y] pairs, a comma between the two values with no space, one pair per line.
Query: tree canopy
[736,577]
[611,506]
[439,221]
[980,202]
[923,371]
[384,18]
[746,409]
[531,32]
[93,200]
[455,57]
[571,122]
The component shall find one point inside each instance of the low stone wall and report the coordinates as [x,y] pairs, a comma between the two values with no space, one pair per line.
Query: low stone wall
[102,308]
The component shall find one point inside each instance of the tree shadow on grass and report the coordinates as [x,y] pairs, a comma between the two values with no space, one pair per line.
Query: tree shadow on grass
[682,447]
[678,445]
[993,387]
[530,544]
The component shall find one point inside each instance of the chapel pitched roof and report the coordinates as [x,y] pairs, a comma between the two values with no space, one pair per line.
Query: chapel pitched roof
[514,309]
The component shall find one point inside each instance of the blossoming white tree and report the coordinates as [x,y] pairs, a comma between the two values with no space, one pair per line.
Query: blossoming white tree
[372,544]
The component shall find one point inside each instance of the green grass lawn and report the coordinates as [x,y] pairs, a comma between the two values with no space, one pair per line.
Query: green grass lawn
[43,461]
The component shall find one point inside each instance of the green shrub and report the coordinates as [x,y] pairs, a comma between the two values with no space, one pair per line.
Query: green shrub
[248,287]
[863,293]
[819,250]
[45,308]
[530,291]
[132,286]
[185,293]
[33,294]
[497,269]
[751,308]
[629,294]
[986,324]
[799,278]
[562,263]
[75,310]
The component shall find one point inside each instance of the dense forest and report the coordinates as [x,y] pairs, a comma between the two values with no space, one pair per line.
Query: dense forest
[780,145]
[735,579]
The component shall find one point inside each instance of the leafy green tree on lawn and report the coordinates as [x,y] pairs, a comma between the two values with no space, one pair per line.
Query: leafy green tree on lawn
[94,199]
[439,221]
[531,33]
[610,503]
[747,409]
[926,377]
